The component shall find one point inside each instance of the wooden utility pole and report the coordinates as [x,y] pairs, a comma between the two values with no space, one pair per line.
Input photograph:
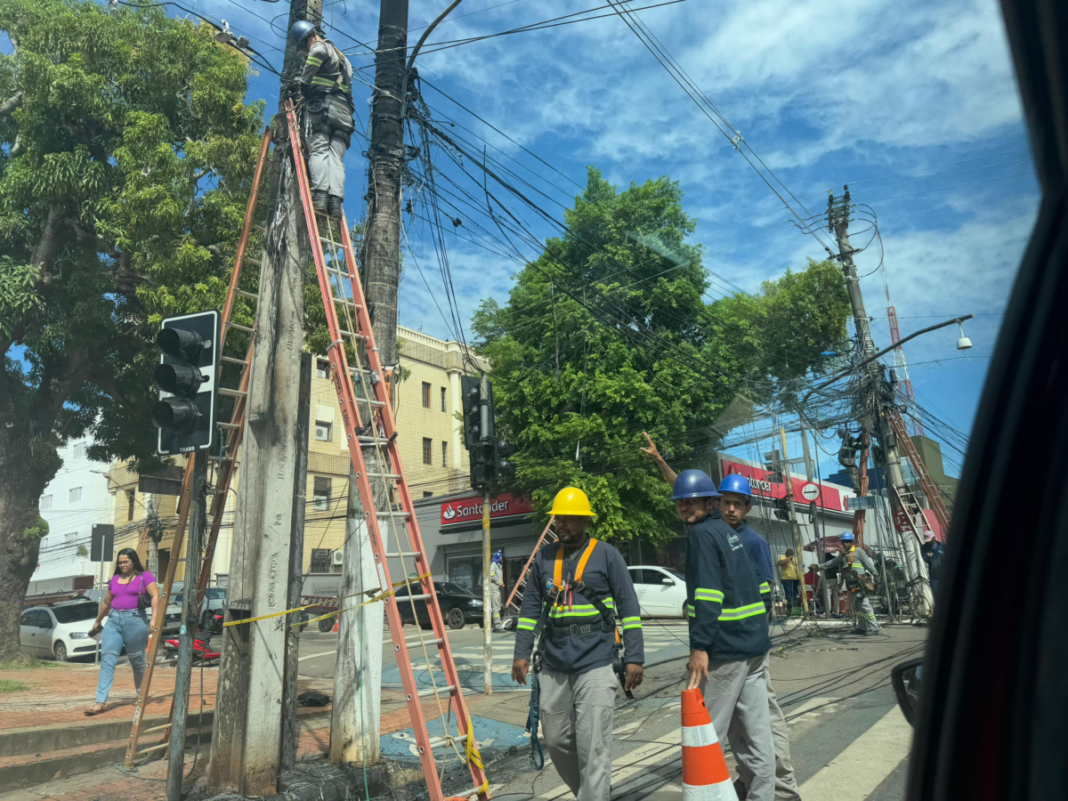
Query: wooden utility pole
[194,544]
[838,223]
[246,742]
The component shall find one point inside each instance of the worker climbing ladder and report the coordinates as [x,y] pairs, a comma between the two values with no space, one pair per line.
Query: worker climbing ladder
[225,462]
[369,423]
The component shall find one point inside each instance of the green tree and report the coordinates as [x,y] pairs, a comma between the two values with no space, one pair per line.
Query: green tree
[126,154]
[608,334]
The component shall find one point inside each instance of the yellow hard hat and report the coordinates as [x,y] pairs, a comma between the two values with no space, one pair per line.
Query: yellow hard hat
[572,501]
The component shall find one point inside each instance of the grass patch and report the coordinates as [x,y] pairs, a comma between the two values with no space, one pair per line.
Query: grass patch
[26,662]
[11,686]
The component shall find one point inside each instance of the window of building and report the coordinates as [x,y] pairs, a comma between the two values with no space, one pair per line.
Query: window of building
[323,430]
[74,495]
[321,494]
[322,368]
[428,447]
[443,400]
[428,494]
[320,560]
[131,496]
[426,395]
[46,502]
[70,537]
[444,454]
[79,450]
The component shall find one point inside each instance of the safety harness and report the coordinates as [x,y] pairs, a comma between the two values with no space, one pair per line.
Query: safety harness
[560,595]
[854,578]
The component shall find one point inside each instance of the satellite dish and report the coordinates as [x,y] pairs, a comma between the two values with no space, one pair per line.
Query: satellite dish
[963,343]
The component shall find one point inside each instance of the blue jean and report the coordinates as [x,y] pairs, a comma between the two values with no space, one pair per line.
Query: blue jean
[124,627]
[789,588]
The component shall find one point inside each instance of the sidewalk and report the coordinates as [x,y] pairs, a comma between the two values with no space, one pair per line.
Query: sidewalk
[50,750]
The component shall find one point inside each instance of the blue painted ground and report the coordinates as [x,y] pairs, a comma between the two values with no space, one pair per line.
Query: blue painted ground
[471,678]
[491,734]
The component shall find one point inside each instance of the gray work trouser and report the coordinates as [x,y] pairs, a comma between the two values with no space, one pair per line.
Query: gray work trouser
[495,603]
[577,713]
[785,782]
[326,163]
[736,694]
[866,621]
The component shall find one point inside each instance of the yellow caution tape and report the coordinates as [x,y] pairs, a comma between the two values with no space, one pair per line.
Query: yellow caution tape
[473,757]
[378,597]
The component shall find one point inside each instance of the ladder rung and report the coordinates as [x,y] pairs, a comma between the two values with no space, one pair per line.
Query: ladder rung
[393,476]
[259,228]
[250,295]
[239,327]
[233,393]
[228,425]
[404,553]
[220,458]
[393,513]
[345,302]
[350,334]
[424,693]
[404,598]
[363,370]
[417,641]
[154,748]
[437,742]
[370,401]
[232,360]
[156,728]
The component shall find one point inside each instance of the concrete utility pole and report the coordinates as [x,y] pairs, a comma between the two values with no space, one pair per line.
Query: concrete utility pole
[838,222]
[194,544]
[788,482]
[246,743]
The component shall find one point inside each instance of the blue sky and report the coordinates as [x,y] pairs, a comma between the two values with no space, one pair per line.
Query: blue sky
[911,102]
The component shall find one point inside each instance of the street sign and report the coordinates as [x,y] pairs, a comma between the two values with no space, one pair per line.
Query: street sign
[810,492]
[102,543]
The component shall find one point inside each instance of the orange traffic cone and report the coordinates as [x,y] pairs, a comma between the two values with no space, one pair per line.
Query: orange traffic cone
[336,621]
[704,771]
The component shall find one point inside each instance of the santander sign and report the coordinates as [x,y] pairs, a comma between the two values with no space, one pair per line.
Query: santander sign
[469,510]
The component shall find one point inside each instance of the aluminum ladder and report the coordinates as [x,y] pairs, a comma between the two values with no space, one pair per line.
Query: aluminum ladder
[369,423]
[930,489]
[224,464]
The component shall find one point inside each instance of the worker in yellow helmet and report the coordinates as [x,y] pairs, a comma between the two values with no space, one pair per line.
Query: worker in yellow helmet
[576,590]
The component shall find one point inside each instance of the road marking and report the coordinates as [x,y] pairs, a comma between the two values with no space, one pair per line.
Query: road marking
[315,656]
[863,766]
[639,760]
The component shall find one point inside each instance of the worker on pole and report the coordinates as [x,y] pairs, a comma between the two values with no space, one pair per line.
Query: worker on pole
[326,86]
[496,577]
[729,640]
[857,569]
[577,589]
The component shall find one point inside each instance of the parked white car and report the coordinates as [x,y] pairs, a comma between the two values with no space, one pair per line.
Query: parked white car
[661,591]
[59,632]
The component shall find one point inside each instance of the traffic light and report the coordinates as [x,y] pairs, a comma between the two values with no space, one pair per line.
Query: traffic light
[472,413]
[483,462]
[185,376]
[504,470]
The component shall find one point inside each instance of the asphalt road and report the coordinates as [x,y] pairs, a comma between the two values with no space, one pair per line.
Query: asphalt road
[849,740]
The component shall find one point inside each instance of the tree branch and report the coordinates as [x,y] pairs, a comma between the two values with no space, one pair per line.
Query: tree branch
[11,104]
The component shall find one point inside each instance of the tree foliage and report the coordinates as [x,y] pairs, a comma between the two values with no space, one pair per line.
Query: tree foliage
[126,155]
[610,333]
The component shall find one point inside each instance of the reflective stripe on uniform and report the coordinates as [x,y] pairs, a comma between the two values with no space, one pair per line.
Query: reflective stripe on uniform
[315,62]
[765,587]
[526,623]
[632,623]
[742,612]
[702,594]
[579,610]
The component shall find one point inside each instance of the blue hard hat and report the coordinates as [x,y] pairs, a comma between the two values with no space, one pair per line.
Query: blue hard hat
[846,535]
[693,484]
[736,483]
[300,31]
[497,557]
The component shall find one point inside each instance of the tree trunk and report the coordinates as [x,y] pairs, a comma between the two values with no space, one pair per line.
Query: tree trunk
[20,535]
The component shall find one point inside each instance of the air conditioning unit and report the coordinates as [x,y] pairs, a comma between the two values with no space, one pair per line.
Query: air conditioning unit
[337,558]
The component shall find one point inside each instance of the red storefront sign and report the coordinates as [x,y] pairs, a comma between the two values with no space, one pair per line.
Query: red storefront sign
[469,510]
[829,497]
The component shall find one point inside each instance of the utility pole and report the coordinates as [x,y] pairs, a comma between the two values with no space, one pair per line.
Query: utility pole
[194,545]
[788,482]
[246,742]
[838,223]
[486,429]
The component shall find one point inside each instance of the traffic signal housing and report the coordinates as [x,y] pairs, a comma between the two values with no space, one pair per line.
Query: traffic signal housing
[471,396]
[503,468]
[186,378]
[483,462]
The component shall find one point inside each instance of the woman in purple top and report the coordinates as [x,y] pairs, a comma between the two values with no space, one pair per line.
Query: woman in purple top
[131,593]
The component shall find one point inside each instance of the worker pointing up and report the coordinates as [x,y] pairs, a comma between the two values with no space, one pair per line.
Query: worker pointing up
[577,588]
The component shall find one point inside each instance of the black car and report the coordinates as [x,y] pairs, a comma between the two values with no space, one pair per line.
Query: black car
[458,605]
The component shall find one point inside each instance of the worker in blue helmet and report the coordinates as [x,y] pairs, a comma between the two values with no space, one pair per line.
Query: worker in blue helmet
[496,579]
[857,570]
[728,633]
[737,491]
[326,87]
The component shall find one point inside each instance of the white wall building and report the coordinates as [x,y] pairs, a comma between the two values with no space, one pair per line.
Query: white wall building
[74,500]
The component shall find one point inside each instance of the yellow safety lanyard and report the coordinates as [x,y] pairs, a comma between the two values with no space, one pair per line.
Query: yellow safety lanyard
[558,574]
